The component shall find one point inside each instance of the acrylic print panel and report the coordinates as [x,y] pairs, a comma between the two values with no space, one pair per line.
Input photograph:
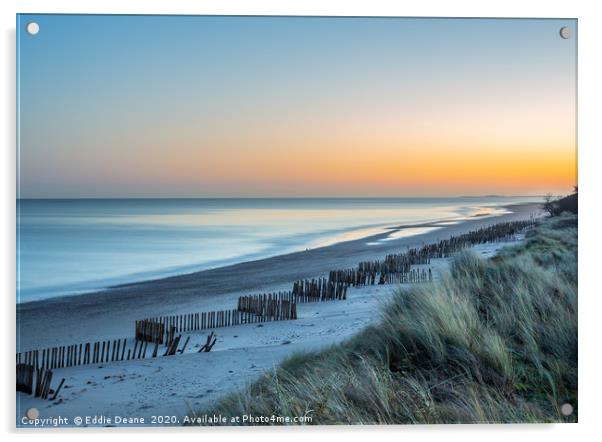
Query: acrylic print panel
[295,220]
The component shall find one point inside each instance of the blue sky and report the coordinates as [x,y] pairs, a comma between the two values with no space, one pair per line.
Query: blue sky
[143,106]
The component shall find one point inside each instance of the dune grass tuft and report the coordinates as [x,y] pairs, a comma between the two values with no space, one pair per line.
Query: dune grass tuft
[493,341]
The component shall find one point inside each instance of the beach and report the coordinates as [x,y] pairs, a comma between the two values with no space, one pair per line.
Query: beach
[169,385]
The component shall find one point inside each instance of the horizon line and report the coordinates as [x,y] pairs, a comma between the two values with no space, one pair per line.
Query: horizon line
[276,197]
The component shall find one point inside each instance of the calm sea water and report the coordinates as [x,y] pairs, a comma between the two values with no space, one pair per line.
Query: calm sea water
[72,246]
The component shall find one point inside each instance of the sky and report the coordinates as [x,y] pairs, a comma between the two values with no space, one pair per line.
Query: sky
[183,106]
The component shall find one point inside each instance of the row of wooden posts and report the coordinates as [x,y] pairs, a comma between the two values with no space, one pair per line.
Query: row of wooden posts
[398,268]
[318,289]
[89,353]
[250,309]
[270,307]
[491,234]
[43,374]
[160,329]
[357,277]
[43,379]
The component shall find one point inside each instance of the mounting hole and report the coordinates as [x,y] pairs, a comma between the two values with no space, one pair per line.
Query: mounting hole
[566,409]
[32,28]
[565,32]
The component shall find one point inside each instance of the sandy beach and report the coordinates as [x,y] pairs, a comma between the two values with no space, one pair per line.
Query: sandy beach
[169,385]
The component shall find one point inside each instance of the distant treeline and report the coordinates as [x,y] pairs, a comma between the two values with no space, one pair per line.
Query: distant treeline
[568,203]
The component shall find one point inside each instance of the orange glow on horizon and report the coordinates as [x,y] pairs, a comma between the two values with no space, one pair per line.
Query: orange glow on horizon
[366,170]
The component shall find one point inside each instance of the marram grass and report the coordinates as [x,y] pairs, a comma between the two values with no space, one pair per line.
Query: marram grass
[493,341]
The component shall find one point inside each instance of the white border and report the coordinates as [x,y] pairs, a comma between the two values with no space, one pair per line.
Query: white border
[590,361]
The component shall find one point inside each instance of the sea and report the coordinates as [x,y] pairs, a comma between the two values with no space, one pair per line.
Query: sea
[71,246]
